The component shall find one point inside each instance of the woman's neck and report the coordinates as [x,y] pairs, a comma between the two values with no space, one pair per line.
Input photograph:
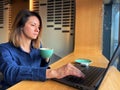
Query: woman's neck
[25,43]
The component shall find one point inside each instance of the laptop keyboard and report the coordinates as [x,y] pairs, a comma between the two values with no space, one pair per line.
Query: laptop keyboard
[91,74]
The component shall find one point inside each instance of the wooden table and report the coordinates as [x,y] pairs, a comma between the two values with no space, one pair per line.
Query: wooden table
[110,82]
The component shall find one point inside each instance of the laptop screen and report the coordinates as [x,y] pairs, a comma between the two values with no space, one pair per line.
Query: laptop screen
[112,61]
[117,61]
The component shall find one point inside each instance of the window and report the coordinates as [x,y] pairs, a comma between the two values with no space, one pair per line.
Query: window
[115,29]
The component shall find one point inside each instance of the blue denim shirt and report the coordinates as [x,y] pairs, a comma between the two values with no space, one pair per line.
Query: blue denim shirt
[17,65]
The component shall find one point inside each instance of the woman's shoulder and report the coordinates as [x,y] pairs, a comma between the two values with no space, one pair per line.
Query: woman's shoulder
[6,45]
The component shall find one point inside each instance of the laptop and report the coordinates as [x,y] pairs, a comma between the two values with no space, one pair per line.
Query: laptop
[93,75]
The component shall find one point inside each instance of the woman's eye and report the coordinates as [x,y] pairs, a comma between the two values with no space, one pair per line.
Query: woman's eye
[32,25]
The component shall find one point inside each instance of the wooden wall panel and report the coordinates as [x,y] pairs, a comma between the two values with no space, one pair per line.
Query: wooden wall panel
[88,25]
[18,5]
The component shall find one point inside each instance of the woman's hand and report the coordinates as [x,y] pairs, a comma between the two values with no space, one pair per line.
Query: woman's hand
[63,71]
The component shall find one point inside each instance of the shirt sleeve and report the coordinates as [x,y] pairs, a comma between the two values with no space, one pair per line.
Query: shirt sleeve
[44,63]
[14,73]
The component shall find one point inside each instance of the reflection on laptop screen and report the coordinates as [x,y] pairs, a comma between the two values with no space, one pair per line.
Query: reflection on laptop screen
[117,62]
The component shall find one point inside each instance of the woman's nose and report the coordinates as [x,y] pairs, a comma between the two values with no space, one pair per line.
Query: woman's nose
[37,29]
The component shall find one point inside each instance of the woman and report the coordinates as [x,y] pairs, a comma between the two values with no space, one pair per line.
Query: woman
[20,58]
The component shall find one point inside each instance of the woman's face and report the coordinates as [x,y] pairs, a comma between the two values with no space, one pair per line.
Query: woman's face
[31,28]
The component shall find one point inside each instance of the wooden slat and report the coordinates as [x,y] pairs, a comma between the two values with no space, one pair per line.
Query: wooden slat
[36,5]
[1,12]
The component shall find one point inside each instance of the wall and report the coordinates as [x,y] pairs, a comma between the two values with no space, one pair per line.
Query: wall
[5,30]
[58,25]
[88,28]
[88,25]
[16,6]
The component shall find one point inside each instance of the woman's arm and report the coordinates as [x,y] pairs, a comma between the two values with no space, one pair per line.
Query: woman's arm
[14,73]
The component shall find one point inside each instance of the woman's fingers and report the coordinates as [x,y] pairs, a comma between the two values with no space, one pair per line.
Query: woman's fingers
[68,69]
[74,71]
